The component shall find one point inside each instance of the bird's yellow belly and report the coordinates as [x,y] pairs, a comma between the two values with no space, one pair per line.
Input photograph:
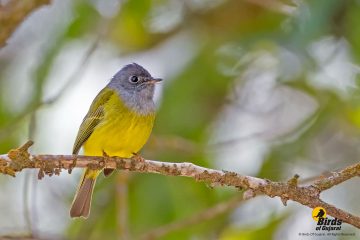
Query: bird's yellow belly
[122,133]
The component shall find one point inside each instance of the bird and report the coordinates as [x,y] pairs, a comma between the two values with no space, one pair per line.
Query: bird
[118,123]
[320,214]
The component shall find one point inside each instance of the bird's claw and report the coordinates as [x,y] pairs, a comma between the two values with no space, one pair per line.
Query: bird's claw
[137,157]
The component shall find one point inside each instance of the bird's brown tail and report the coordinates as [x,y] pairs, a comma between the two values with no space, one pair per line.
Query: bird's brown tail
[82,201]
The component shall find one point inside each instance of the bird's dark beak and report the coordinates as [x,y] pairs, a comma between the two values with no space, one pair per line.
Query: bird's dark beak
[153,80]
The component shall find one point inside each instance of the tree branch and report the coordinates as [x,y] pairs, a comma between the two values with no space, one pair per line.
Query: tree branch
[309,195]
[13,13]
[209,213]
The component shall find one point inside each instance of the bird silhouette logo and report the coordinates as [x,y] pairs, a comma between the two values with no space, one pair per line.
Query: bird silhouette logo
[318,212]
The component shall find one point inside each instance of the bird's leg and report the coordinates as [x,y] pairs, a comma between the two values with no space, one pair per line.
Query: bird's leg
[72,165]
[105,158]
[137,157]
[107,171]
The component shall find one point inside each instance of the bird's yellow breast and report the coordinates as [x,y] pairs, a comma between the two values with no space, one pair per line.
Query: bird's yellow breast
[121,132]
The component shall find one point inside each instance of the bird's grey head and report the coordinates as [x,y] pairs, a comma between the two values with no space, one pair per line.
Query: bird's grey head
[136,87]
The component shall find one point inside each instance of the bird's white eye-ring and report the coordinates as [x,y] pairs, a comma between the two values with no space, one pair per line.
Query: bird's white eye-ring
[134,79]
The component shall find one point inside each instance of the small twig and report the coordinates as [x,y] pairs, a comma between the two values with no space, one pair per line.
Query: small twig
[215,211]
[122,205]
[27,214]
[26,187]
[309,195]
[202,216]
[335,178]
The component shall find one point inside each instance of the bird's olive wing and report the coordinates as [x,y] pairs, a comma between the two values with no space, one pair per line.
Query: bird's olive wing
[92,118]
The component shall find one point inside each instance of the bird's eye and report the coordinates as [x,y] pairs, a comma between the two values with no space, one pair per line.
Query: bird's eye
[134,79]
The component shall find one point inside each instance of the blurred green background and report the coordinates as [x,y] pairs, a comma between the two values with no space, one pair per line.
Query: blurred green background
[265,88]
